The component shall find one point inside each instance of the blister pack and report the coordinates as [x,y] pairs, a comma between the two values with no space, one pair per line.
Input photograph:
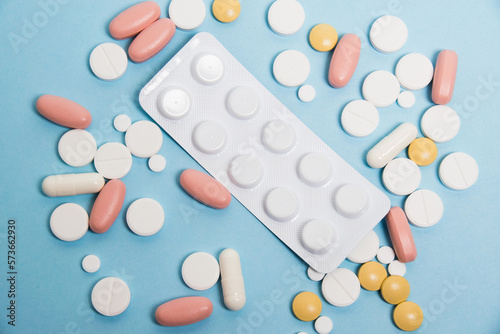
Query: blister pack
[286,176]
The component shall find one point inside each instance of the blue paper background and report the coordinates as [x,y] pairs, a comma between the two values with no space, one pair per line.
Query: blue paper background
[454,279]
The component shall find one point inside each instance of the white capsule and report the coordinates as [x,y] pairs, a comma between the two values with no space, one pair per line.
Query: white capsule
[72,184]
[391,145]
[233,287]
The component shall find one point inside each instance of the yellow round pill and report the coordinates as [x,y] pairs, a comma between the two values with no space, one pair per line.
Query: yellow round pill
[422,151]
[395,289]
[408,316]
[226,10]
[371,275]
[306,306]
[323,37]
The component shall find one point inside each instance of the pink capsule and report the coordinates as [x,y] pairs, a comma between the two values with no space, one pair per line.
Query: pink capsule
[205,189]
[445,74]
[107,206]
[183,311]
[63,112]
[134,19]
[401,236]
[344,60]
[151,40]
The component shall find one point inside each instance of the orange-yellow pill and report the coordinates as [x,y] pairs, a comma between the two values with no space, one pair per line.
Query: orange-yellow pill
[323,37]
[408,316]
[306,306]
[422,151]
[371,275]
[226,10]
[395,289]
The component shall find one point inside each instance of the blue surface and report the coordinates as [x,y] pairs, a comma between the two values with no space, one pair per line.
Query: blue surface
[455,277]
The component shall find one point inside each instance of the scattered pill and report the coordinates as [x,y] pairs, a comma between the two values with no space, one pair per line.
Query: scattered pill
[91,263]
[359,118]
[396,268]
[108,61]
[440,123]
[233,287]
[209,137]
[291,67]
[200,271]
[134,19]
[406,99]
[69,222]
[151,40]
[341,287]
[64,112]
[317,236]
[72,184]
[388,34]
[366,249]
[281,204]
[77,148]
[381,88]
[145,217]
[401,176]
[306,306]
[323,37]
[424,208]
[226,10]
[307,93]
[286,17]
[314,275]
[144,139]
[187,14]
[205,189]
[107,206]
[315,169]
[351,201]
[122,122]
[414,71]
[400,234]
[113,160]
[395,289]
[445,74]
[174,103]
[323,325]
[243,102]
[184,311]
[208,69]
[408,316]
[278,136]
[423,151]
[157,163]
[385,255]
[371,275]
[344,60]
[458,171]
[110,296]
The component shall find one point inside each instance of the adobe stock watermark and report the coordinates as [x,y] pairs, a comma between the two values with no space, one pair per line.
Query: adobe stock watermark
[486,87]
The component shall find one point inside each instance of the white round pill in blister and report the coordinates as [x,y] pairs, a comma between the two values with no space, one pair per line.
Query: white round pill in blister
[281,204]
[108,61]
[187,14]
[388,34]
[323,325]
[122,122]
[113,160]
[366,250]
[246,171]
[385,255]
[396,268]
[209,137]
[77,148]
[414,71]
[351,201]
[208,69]
[144,139]
[440,123]
[424,208]
[341,287]
[278,136]
[69,222]
[157,163]
[91,263]
[200,271]
[317,236]
[286,17]
[401,176]
[406,99]
[314,275]
[291,68]
[359,118]
[145,217]
[110,296]
[381,88]
[243,102]
[458,171]
[315,169]
[174,103]
[307,93]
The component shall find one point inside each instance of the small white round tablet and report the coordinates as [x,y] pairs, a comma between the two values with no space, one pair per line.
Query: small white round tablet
[351,201]
[278,136]
[145,217]
[366,250]
[359,118]
[406,99]
[315,169]
[291,67]
[208,69]
[458,171]
[144,139]
[246,171]
[110,296]
[69,222]
[77,148]
[108,61]
[200,271]
[209,137]
[286,17]
[122,122]
[113,160]
[323,325]
[157,163]
[306,93]
[414,71]
[187,14]
[388,34]
[385,255]
[424,208]
[381,88]
[401,176]
[341,287]
[440,123]
[317,236]
[91,263]
[396,268]
[243,102]
[314,275]
[281,204]
[174,103]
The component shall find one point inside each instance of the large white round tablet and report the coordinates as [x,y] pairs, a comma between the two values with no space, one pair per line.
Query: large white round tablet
[323,325]
[286,17]
[200,271]
[110,296]
[424,208]
[351,201]
[366,250]
[122,122]
[315,169]
[208,69]
[388,34]
[401,176]
[113,160]
[209,137]
[458,171]
[314,275]
[440,123]
[174,103]
[145,217]
[281,204]
[291,68]
[246,171]
[278,136]
[359,118]
[69,222]
[108,61]
[187,14]
[381,88]
[91,263]
[243,102]
[341,287]
[385,255]
[406,99]
[317,236]
[306,93]
[396,268]
[77,148]
[157,163]
[144,139]
[414,71]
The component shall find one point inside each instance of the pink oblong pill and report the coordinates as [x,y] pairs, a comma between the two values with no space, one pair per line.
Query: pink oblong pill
[183,311]
[151,40]
[63,112]
[134,19]
[445,74]
[107,206]
[401,236]
[344,60]
[205,189]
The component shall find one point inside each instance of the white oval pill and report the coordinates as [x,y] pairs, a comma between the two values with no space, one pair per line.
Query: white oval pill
[323,325]
[396,268]
[278,136]
[281,204]
[401,176]
[315,169]
[351,201]
[381,88]
[341,287]
[69,222]
[314,275]
[110,296]
[122,122]
[414,71]
[388,34]
[385,255]
[144,139]
[145,217]
[113,160]
[291,68]
[317,236]
[174,103]
[359,118]
[246,171]
[286,17]
[366,250]
[91,263]
[209,137]
[406,99]
[77,148]
[440,123]
[307,93]
[187,14]
[208,69]
[157,163]
[200,271]
[458,171]
[424,208]
[108,61]
[243,102]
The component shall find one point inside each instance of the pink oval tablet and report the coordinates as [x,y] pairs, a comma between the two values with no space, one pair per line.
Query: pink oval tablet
[107,206]
[205,189]
[445,74]
[151,40]
[344,60]
[401,236]
[63,112]
[134,19]
[183,311]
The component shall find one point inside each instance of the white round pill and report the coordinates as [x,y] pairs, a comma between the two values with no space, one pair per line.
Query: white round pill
[385,255]
[341,287]
[208,69]
[145,217]
[157,163]
[209,137]
[243,102]
[366,250]
[77,148]
[401,176]
[440,123]
[323,325]
[414,71]
[406,99]
[187,14]
[458,171]
[144,139]
[351,201]
[381,88]
[291,67]
[122,122]
[315,169]
[200,271]
[286,17]
[278,136]
[359,118]
[69,222]
[396,268]
[317,237]
[108,61]
[113,160]
[388,34]
[91,263]
[281,204]
[110,296]
[424,208]
[314,275]
[246,171]
[174,103]
[306,93]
